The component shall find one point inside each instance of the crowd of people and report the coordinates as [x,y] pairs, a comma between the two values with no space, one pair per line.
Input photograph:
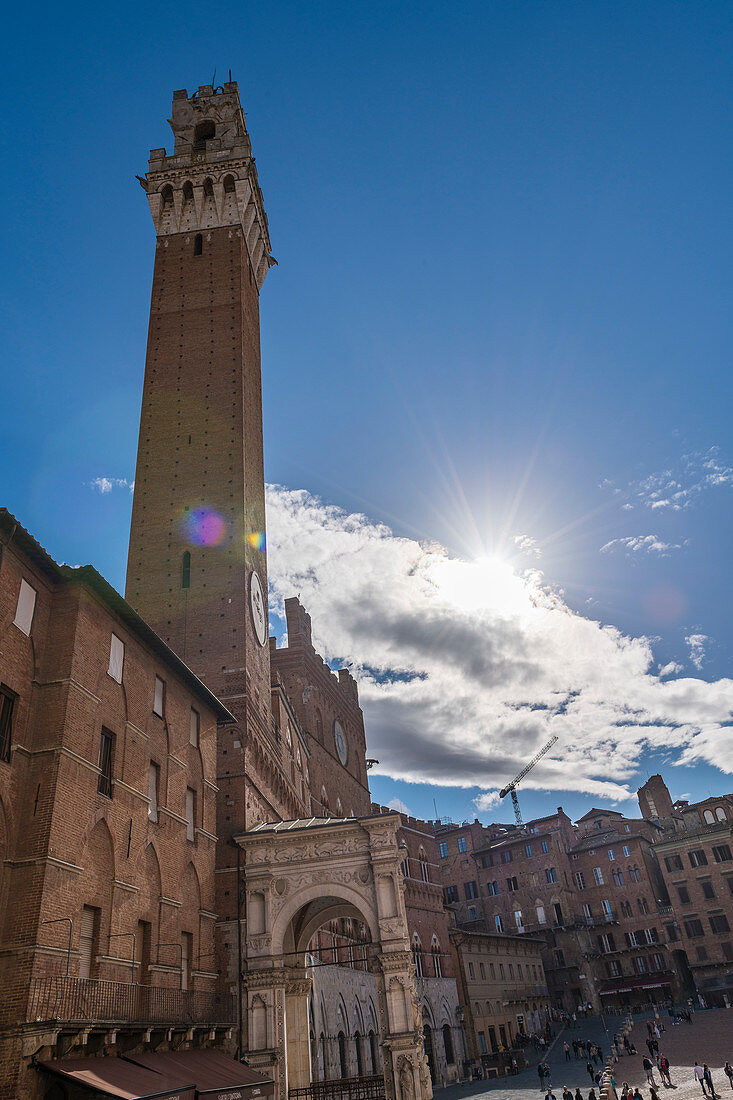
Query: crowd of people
[655,1061]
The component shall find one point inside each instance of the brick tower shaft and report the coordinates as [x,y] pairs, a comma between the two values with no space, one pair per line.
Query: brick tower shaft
[197,569]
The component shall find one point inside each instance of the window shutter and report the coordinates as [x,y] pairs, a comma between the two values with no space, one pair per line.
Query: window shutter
[189,814]
[26,607]
[116,658]
[86,941]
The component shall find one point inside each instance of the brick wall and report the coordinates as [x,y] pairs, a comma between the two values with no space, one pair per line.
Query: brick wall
[66,845]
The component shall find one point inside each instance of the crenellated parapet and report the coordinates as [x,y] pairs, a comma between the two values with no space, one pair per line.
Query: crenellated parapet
[210,180]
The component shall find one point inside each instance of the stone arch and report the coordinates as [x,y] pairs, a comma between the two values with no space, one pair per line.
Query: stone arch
[310,875]
[314,909]
[342,1015]
[96,884]
[191,904]
[188,207]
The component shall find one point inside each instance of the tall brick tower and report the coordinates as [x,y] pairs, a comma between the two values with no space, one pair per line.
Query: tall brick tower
[197,569]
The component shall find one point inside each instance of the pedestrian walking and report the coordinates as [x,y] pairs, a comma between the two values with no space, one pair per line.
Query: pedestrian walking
[578,1094]
[664,1070]
[566,1093]
[592,1094]
[566,1048]
[591,1072]
[708,1079]
[637,1095]
[653,1094]
[700,1076]
[728,1071]
[549,1095]
[648,1069]
[541,1074]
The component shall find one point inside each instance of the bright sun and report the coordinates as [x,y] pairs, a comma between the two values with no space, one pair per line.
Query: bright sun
[489,583]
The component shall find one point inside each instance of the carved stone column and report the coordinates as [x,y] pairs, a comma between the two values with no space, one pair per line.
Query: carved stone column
[297,1031]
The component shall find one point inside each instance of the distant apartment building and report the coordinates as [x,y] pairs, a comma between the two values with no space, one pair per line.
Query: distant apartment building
[502,987]
[592,892]
[695,853]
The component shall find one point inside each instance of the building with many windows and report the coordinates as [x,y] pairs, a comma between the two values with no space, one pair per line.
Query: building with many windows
[695,853]
[502,987]
[107,824]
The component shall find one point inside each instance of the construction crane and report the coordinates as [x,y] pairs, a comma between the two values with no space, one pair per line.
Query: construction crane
[511,788]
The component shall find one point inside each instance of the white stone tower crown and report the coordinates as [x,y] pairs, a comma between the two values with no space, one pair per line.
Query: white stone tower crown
[210,181]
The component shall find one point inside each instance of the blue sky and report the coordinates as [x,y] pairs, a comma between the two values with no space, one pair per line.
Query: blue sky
[501,313]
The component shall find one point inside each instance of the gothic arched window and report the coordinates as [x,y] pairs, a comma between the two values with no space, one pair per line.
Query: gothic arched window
[186,569]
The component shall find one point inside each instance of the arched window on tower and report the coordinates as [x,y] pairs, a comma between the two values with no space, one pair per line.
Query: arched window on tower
[167,196]
[186,569]
[198,245]
[228,184]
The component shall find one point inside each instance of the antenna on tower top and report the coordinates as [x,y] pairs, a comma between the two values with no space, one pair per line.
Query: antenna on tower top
[230,76]
[213,80]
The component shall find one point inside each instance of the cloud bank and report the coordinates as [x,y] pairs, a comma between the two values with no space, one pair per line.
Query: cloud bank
[466,668]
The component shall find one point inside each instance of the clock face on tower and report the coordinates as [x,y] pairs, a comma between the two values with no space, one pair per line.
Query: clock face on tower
[340,739]
[257,607]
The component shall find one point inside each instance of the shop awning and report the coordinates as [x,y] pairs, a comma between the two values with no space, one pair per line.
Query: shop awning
[118,1078]
[629,985]
[216,1076]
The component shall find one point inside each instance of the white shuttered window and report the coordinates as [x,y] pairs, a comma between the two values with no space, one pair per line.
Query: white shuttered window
[26,607]
[116,658]
[87,936]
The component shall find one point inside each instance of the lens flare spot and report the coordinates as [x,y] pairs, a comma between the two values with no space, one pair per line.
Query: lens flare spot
[204,526]
[257,540]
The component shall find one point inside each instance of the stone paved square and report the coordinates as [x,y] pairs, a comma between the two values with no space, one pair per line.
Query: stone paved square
[709,1038]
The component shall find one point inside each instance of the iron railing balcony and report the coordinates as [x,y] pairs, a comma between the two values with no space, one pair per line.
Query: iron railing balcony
[92,1000]
[580,920]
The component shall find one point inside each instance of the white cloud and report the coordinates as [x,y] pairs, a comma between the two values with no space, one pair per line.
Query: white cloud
[697,644]
[641,544]
[672,668]
[527,545]
[107,484]
[465,669]
[487,800]
[399,805]
[678,486]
